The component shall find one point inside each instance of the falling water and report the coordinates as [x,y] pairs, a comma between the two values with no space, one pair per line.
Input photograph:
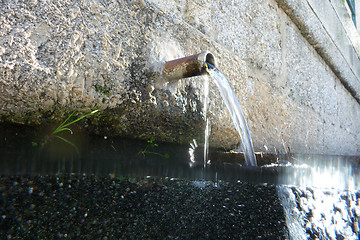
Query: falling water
[237,115]
[207,120]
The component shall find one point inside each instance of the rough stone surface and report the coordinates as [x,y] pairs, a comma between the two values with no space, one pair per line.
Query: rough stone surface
[313,213]
[95,55]
[291,97]
[328,33]
[107,55]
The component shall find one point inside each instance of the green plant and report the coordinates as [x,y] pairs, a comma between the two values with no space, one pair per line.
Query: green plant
[103,90]
[132,180]
[65,124]
[149,149]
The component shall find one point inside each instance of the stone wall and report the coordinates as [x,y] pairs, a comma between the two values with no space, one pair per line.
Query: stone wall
[56,57]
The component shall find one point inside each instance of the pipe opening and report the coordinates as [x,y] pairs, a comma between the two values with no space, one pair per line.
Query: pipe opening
[210,59]
[189,66]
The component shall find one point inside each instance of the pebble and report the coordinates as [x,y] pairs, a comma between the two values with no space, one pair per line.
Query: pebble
[92,208]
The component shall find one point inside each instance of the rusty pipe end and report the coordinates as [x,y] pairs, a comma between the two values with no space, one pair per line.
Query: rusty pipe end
[189,66]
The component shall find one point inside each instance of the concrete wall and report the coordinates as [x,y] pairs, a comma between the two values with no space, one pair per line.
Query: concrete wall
[298,88]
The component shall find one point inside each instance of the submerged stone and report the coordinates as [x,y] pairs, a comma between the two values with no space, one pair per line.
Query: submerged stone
[93,207]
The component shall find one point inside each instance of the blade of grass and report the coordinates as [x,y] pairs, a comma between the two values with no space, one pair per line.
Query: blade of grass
[78,119]
[62,124]
[68,142]
[67,119]
[63,129]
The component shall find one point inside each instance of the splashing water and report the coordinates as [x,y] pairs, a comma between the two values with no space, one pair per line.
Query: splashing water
[237,115]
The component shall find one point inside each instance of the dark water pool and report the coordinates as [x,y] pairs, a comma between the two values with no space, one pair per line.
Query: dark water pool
[22,151]
[106,188]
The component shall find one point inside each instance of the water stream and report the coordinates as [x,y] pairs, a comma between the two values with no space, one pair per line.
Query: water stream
[233,105]
[207,127]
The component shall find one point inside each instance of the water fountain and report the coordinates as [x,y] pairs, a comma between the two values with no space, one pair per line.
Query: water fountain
[203,63]
[292,197]
[318,195]
[109,190]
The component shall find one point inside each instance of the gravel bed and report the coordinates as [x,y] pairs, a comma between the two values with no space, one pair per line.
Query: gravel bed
[90,207]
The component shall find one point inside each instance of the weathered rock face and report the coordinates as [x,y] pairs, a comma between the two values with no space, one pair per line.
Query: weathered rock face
[56,57]
[61,56]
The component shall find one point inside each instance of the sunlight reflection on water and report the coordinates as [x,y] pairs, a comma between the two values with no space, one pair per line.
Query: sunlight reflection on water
[337,172]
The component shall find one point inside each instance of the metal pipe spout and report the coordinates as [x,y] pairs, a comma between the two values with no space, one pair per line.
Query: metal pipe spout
[188,66]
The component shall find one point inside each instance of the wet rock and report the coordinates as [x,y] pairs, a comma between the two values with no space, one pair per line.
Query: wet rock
[321,214]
